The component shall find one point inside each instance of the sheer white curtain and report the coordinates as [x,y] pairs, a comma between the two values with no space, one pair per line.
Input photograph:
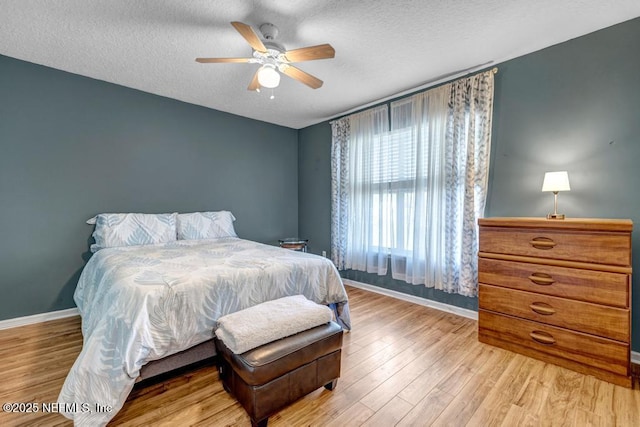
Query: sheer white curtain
[369,132]
[420,123]
[413,192]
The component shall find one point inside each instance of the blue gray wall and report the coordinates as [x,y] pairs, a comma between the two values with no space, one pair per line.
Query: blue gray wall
[314,186]
[72,147]
[574,106]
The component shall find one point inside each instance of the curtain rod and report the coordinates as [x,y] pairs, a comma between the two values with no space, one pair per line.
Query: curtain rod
[431,83]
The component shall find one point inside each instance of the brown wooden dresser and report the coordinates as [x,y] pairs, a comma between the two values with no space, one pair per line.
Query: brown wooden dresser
[558,291]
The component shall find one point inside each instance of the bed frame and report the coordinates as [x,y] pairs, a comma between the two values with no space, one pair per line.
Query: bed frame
[197,353]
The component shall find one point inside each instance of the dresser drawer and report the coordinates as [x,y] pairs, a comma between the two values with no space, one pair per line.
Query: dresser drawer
[591,247]
[585,285]
[604,321]
[607,355]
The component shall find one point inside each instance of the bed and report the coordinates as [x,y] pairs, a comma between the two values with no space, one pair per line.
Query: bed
[145,302]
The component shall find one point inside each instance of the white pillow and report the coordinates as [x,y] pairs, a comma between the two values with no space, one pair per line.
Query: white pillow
[205,225]
[129,229]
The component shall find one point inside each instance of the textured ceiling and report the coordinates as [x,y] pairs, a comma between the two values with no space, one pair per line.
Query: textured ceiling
[382,47]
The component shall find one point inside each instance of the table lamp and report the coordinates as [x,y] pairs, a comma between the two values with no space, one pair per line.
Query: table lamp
[555,182]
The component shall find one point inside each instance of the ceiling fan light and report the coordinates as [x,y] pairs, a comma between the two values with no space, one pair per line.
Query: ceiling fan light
[268,76]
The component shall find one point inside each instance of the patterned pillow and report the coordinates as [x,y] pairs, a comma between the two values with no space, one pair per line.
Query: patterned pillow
[205,225]
[128,229]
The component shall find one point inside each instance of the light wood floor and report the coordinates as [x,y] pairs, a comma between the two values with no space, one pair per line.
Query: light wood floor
[402,364]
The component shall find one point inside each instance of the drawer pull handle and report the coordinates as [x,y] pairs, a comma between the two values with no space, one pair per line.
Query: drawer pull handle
[541,279]
[542,337]
[542,308]
[542,243]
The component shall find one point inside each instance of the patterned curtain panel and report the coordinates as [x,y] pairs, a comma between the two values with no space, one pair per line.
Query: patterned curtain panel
[340,131]
[409,195]
[469,132]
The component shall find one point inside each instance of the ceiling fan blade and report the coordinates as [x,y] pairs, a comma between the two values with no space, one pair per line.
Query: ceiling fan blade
[210,60]
[250,36]
[321,51]
[301,76]
[254,85]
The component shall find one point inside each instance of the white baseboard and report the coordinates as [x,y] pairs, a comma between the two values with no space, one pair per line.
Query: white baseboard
[38,318]
[470,314]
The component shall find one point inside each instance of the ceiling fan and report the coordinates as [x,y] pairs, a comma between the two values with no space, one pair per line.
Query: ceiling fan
[274,58]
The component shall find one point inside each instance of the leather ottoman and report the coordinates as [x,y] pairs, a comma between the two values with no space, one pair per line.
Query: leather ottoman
[268,378]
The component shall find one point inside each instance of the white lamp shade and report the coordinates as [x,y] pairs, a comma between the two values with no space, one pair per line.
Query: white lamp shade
[556,181]
[268,76]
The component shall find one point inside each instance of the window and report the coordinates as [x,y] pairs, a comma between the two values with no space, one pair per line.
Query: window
[394,180]
[409,195]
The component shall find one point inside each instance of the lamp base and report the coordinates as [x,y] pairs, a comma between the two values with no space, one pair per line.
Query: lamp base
[555,216]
